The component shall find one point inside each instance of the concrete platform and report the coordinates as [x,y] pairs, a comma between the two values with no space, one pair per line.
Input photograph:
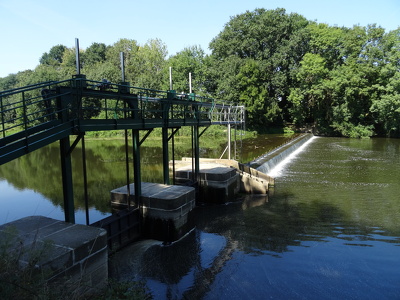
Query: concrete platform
[251,180]
[218,183]
[163,206]
[75,256]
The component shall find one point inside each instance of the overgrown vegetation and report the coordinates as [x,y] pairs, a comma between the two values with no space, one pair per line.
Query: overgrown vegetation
[22,278]
[284,68]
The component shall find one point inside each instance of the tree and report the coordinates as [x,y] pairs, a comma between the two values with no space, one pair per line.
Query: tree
[269,45]
[8,82]
[147,68]
[386,109]
[113,69]
[339,80]
[189,60]
[311,93]
[96,53]
[54,56]
[253,87]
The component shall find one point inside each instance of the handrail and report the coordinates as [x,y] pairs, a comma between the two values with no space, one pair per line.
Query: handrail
[77,102]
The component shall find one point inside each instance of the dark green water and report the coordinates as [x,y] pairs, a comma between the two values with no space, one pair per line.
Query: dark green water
[329,230]
[31,185]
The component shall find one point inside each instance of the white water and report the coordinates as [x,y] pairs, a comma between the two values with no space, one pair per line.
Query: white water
[277,170]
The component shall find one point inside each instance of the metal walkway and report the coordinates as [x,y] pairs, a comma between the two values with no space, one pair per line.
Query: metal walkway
[37,115]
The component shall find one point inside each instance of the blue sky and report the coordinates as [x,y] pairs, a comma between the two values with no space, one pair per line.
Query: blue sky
[30,28]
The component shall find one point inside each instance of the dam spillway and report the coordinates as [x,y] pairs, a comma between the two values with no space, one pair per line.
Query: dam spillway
[267,162]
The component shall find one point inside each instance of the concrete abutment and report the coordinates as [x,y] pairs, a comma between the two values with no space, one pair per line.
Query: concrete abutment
[75,256]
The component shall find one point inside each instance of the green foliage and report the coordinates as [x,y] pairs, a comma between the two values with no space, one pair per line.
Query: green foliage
[148,66]
[283,67]
[96,53]
[54,56]
[386,110]
[261,109]
[256,54]
[22,280]
[189,60]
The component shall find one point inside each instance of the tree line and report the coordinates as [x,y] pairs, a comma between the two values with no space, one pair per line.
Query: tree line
[284,68]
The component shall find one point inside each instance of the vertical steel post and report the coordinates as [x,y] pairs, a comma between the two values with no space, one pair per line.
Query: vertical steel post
[170,78]
[173,158]
[65,157]
[229,141]
[2,117]
[121,57]
[235,156]
[136,166]
[128,187]
[66,172]
[196,152]
[193,163]
[78,67]
[190,83]
[85,185]
[165,155]
[127,168]
[24,111]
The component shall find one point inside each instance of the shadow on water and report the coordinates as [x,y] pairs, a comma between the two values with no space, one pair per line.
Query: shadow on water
[39,171]
[253,226]
[328,230]
[322,234]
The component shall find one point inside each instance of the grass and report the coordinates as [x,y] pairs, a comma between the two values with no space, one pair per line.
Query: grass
[22,278]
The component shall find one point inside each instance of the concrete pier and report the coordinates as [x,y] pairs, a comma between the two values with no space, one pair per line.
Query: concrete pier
[75,256]
[217,183]
[165,208]
[221,179]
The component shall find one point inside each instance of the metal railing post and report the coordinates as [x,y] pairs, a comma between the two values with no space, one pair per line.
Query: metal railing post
[2,117]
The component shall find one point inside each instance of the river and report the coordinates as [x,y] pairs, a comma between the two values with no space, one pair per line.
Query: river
[328,230]
[31,185]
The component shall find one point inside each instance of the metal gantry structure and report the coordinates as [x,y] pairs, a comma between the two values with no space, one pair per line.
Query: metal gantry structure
[37,115]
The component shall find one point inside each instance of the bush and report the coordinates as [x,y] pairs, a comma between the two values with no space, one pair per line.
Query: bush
[20,276]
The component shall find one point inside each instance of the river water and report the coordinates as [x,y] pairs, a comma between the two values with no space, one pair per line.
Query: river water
[31,185]
[328,230]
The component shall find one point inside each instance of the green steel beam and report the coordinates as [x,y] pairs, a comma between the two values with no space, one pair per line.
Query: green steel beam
[66,172]
[23,146]
[165,155]
[145,136]
[136,167]
[196,153]
[170,111]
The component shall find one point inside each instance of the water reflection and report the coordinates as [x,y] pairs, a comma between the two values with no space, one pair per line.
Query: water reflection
[328,231]
[38,174]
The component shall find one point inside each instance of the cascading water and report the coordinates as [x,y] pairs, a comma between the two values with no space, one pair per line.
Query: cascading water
[276,171]
[272,162]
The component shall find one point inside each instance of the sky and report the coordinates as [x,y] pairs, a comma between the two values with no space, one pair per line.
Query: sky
[31,28]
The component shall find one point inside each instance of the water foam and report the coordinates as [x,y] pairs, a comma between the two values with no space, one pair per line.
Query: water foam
[276,171]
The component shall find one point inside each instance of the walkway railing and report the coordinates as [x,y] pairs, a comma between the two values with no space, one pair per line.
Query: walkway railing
[36,115]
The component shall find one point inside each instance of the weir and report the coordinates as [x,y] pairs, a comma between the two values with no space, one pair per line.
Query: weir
[267,162]
[35,116]
[38,115]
